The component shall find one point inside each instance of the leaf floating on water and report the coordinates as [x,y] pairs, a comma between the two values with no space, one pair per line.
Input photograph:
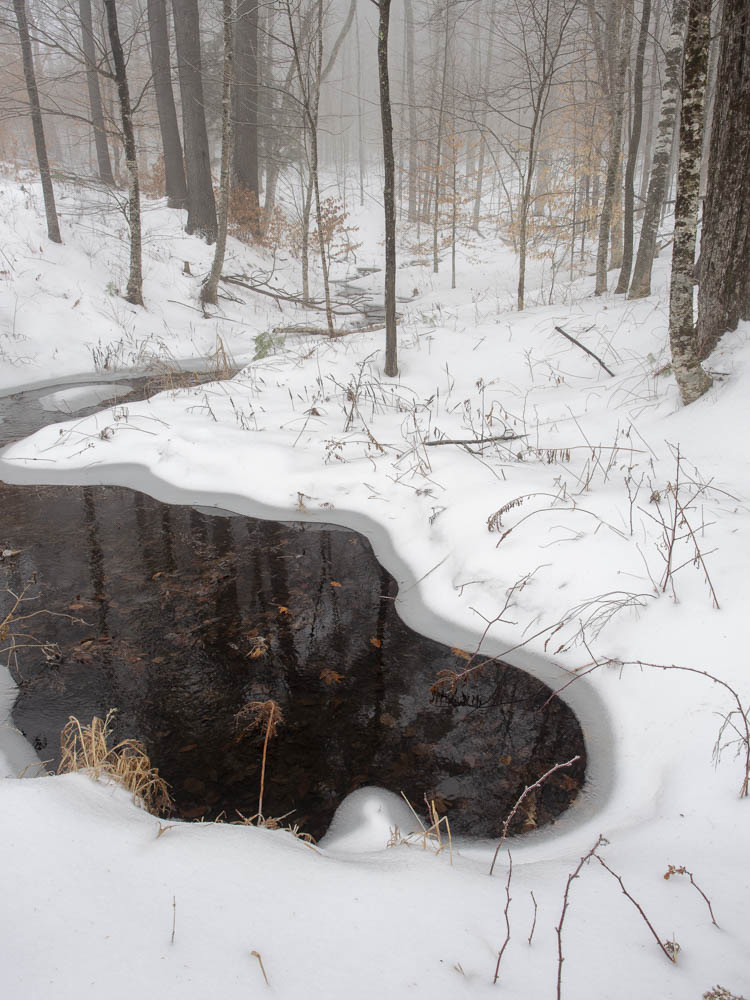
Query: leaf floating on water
[330,677]
[283,610]
[76,607]
[335,583]
[375,642]
[188,748]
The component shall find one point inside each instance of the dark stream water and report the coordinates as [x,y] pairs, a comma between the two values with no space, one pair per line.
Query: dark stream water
[179,618]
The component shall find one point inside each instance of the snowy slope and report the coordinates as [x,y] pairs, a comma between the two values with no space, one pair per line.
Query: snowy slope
[578,573]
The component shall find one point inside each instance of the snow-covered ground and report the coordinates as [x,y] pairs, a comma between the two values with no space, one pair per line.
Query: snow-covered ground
[620,537]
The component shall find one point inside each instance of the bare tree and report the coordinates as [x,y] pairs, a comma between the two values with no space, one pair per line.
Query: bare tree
[134,292]
[88,45]
[692,380]
[245,100]
[635,140]
[640,286]
[309,86]
[612,50]
[201,203]
[389,202]
[209,290]
[174,168]
[37,125]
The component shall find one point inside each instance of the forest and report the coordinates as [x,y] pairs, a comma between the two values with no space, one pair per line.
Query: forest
[567,129]
[374,393]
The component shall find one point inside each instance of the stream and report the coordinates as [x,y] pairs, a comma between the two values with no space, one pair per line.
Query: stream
[183,619]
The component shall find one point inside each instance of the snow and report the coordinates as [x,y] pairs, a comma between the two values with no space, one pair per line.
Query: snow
[573,576]
[81,397]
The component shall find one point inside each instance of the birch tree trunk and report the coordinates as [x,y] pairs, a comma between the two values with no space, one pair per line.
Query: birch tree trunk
[640,286]
[210,288]
[95,95]
[724,267]
[691,378]
[635,141]
[134,291]
[37,125]
[174,168]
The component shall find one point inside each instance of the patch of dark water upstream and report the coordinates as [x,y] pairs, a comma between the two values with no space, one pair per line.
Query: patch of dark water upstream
[180,618]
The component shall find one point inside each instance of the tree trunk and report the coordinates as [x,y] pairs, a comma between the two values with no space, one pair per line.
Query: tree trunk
[691,378]
[439,144]
[174,168]
[724,267]
[48,192]
[476,214]
[635,141]
[391,360]
[620,23]
[413,138]
[134,291]
[201,204]
[640,286]
[95,96]
[651,115]
[245,101]
[305,239]
[210,289]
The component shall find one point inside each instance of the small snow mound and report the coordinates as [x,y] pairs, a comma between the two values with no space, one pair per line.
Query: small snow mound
[366,819]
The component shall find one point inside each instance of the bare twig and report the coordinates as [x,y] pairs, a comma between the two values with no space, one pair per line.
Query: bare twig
[682,870]
[584,348]
[566,901]
[740,710]
[483,440]
[671,954]
[522,796]
[507,918]
[533,923]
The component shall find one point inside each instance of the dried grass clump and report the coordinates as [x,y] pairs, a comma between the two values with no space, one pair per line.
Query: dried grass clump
[86,748]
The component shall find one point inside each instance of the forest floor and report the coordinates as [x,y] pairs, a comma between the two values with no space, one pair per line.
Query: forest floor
[619,539]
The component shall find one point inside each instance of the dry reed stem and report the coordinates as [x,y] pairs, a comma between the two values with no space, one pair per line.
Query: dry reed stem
[262,967]
[258,715]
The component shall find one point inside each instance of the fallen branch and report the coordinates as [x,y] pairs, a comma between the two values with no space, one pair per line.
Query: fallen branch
[487,440]
[584,348]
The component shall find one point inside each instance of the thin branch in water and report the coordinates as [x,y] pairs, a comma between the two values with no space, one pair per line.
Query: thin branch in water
[522,796]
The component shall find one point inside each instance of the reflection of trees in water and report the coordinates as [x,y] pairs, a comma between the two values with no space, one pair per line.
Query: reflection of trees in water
[179,599]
